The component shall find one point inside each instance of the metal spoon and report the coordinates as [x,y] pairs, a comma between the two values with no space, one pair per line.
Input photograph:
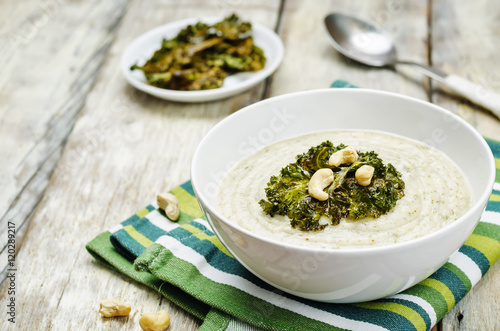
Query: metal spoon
[366,44]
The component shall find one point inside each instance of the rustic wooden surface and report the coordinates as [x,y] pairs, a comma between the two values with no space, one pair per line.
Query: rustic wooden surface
[81,150]
[466,42]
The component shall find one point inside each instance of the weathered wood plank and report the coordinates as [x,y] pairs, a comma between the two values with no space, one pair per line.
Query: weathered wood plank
[51,53]
[466,42]
[125,147]
[311,62]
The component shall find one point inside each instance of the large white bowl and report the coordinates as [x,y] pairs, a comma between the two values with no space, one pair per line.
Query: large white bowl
[341,275]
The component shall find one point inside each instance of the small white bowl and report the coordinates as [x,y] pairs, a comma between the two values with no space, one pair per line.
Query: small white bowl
[341,275]
[142,48]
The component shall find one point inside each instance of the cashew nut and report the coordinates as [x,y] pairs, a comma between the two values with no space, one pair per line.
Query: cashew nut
[154,322]
[364,175]
[113,307]
[321,179]
[169,203]
[344,156]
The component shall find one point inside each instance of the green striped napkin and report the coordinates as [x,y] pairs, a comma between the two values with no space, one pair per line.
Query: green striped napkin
[187,264]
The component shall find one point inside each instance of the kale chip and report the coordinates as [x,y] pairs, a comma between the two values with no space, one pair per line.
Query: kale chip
[287,193]
[201,56]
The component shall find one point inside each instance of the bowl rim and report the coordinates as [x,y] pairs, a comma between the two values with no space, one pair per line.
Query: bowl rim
[477,205]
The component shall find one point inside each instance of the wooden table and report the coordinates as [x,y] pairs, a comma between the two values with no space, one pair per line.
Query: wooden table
[82,150]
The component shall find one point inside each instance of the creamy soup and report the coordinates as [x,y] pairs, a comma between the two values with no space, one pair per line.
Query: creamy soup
[436,192]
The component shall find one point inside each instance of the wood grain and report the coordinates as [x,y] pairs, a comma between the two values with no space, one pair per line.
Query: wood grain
[81,150]
[466,43]
[309,51]
[125,147]
[50,59]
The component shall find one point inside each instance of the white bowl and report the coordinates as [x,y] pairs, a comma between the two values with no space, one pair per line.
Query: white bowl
[143,47]
[341,275]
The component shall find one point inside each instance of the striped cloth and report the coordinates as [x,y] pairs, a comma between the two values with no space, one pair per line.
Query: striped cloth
[187,264]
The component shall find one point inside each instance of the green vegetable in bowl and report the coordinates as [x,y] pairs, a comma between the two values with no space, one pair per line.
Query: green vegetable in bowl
[349,194]
[201,56]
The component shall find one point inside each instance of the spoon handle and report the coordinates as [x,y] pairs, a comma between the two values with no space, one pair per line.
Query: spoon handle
[474,92]
[431,72]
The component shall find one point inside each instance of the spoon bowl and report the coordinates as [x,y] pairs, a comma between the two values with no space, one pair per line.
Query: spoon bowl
[364,43]
[360,41]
